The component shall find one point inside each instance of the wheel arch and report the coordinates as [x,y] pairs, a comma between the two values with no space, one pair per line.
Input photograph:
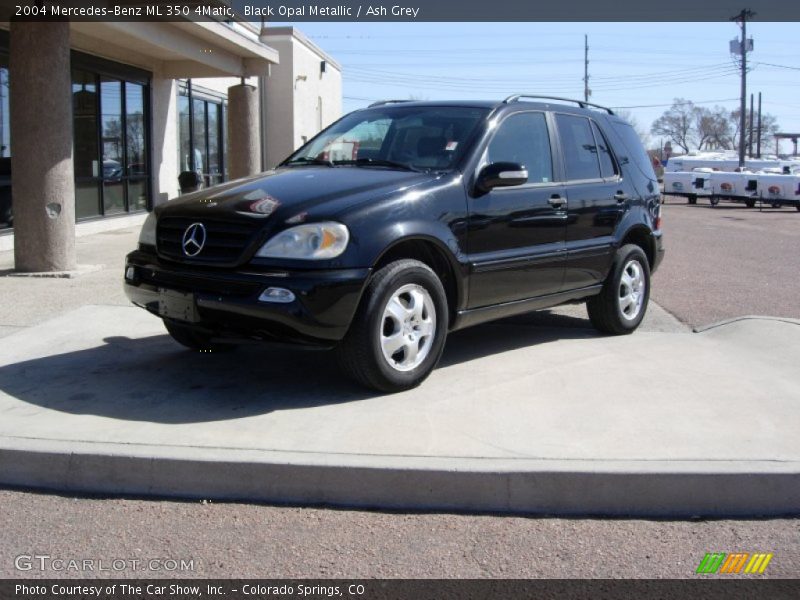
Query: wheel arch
[641,236]
[432,252]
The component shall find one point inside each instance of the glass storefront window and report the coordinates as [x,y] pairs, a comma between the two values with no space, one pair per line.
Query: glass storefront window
[136,146]
[110,137]
[86,157]
[201,131]
[214,155]
[6,213]
[111,154]
[184,132]
[113,148]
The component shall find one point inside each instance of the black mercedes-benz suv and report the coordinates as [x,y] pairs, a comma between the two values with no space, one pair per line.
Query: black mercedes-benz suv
[404,221]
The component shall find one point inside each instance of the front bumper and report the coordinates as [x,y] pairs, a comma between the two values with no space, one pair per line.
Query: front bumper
[226,301]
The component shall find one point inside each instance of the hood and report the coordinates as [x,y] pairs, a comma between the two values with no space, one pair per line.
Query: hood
[288,192]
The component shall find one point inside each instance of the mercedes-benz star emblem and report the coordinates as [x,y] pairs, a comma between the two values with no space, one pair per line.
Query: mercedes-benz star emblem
[194,238]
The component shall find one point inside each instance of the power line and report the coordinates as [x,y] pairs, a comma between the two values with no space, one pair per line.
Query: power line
[778,66]
[671,103]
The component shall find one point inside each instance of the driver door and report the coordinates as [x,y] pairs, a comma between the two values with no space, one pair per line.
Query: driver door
[517,235]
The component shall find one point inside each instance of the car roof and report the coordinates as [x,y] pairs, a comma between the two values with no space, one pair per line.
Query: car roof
[515,105]
[424,103]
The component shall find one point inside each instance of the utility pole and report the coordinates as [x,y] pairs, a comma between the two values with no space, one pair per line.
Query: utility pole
[742,17]
[586,91]
[758,137]
[750,140]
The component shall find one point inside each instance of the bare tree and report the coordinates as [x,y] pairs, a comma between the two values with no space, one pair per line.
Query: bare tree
[677,123]
[769,127]
[691,126]
[713,128]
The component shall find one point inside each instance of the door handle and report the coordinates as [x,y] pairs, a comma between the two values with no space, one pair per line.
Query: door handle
[557,201]
[620,196]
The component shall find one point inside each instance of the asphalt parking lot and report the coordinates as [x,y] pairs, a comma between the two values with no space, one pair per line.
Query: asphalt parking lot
[728,261]
[721,263]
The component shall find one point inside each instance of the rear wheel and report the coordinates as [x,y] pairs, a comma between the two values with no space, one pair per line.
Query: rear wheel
[750,203]
[775,205]
[621,305]
[692,199]
[194,338]
[399,330]
[714,200]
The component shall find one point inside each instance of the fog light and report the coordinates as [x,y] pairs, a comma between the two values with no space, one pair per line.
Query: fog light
[276,294]
[130,273]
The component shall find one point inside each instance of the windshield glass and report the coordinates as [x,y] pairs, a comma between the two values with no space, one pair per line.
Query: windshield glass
[413,137]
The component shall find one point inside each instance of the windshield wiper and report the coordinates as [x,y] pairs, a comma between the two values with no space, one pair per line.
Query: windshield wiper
[378,162]
[307,160]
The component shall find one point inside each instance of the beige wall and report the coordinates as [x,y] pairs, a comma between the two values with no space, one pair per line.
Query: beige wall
[294,91]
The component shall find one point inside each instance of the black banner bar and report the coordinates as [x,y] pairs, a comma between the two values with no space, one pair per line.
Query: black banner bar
[394,589]
[278,11]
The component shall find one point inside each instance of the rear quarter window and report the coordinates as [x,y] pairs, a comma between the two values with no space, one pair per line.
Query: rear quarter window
[632,148]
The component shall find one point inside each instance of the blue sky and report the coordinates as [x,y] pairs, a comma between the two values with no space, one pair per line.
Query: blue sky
[634,65]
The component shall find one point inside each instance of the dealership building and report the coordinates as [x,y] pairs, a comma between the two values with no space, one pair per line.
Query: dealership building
[99,119]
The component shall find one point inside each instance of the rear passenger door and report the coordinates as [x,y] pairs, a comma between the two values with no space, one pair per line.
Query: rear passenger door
[516,234]
[596,200]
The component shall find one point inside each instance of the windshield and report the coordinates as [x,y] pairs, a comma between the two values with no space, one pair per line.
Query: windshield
[409,137]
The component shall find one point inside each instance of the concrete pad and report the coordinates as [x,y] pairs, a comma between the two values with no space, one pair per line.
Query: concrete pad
[517,417]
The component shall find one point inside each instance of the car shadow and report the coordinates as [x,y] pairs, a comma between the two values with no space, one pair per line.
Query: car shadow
[153,379]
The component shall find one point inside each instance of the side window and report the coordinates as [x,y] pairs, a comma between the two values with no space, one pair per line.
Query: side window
[580,150]
[607,165]
[523,139]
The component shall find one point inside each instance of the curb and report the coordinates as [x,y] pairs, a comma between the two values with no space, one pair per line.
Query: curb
[668,489]
[702,328]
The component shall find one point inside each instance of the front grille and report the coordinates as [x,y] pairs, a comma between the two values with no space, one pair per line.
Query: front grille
[225,240]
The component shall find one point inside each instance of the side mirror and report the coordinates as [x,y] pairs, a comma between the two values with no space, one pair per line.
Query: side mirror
[501,174]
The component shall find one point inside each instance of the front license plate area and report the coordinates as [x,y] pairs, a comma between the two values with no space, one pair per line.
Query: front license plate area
[177,305]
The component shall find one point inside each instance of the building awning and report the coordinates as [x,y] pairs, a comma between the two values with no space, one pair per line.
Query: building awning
[179,50]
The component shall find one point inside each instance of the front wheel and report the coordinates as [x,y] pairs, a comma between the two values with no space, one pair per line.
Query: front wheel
[692,199]
[621,305]
[714,200]
[750,203]
[399,330]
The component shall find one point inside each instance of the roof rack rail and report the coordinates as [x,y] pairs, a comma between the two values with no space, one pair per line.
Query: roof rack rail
[382,102]
[581,103]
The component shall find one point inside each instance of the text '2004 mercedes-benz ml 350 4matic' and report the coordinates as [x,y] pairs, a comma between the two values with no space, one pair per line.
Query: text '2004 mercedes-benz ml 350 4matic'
[404,221]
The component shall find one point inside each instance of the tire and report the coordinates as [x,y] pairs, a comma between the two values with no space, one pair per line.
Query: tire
[403,300]
[605,309]
[775,205]
[692,199]
[714,200]
[750,203]
[194,338]
[797,206]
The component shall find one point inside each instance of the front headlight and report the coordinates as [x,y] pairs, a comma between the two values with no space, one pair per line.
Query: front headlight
[312,241]
[148,233]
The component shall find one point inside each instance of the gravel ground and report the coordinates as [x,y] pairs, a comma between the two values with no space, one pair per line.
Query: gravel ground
[720,263]
[728,261]
[240,540]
